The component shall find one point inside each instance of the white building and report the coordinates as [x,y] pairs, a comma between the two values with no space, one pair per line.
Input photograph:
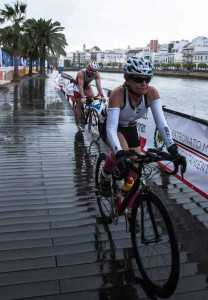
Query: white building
[200,55]
[188,53]
[78,57]
[178,46]
[164,57]
[148,55]
[134,52]
[108,57]
[174,52]
[171,53]
[196,51]
[69,56]
[200,41]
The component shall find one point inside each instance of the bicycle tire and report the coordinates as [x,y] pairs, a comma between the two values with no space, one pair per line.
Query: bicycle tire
[166,285]
[93,119]
[94,148]
[103,203]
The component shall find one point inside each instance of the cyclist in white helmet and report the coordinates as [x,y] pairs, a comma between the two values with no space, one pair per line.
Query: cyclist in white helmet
[83,88]
[128,103]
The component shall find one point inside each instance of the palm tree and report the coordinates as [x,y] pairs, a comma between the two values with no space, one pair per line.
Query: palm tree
[48,38]
[29,47]
[10,35]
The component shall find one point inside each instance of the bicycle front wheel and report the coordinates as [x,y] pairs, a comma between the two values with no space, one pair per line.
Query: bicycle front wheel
[155,245]
[93,119]
[104,203]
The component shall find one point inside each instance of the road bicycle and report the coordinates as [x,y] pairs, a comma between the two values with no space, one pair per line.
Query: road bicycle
[155,244]
[89,115]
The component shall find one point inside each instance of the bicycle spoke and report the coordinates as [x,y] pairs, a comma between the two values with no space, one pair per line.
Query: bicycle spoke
[157,252]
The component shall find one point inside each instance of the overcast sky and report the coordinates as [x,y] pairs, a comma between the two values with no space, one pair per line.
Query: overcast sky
[111,24]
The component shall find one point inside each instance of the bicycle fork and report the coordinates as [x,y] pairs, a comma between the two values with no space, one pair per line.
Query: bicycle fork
[148,209]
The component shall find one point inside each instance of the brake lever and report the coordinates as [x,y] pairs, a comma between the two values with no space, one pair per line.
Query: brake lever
[174,171]
[130,165]
[152,155]
[182,171]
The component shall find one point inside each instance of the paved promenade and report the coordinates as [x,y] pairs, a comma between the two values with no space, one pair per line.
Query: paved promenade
[53,244]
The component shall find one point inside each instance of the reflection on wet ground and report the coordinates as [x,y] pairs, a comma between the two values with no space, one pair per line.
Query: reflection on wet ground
[53,244]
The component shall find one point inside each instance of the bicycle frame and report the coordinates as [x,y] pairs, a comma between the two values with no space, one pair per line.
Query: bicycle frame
[132,191]
[89,107]
[136,192]
[86,116]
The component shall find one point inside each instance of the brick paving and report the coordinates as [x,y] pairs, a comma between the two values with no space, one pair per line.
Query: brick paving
[53,244]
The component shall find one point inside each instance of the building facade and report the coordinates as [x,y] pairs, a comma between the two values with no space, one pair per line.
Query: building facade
[154,46]
[182,51]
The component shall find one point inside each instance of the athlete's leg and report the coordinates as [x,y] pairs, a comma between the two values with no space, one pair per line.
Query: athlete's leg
[78,111]
[109,166]
[89,91]
[77,99]
[110,161]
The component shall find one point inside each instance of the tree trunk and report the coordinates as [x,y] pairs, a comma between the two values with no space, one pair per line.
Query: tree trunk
[37,61]
[30,68]
[42,66]
[16,69]
[16,99]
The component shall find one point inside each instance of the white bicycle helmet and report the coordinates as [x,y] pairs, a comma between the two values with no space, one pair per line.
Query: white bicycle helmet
[137,66]
[93,65]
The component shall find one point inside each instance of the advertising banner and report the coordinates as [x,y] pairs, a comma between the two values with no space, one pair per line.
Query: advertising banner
[1,63]
[191,137]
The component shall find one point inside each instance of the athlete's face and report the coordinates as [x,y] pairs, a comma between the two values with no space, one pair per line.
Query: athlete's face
[139,84]
[90,71]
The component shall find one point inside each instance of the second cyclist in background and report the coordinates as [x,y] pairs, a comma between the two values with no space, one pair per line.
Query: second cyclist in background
[83,88]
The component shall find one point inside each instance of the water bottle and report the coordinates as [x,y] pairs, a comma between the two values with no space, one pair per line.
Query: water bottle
[119,198]
[126,186]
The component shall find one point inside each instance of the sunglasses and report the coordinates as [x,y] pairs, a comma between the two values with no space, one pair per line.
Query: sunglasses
[141,79]
[92,71]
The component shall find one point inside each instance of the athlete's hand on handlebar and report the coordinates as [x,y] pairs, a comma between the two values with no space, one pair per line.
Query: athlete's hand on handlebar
[83,100]
[103,98]
[121,157]
[125,159]
[178,160]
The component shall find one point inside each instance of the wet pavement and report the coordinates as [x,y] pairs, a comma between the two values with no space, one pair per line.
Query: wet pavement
[53,244]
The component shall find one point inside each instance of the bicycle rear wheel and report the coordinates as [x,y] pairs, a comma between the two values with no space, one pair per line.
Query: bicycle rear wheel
[104,203]
[155,246]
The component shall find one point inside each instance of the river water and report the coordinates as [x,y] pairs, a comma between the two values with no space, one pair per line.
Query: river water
[189,96]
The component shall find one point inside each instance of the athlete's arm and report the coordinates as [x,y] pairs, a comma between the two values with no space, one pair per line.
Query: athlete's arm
[115,103]
[98,85]
[80,77]
[161,122]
